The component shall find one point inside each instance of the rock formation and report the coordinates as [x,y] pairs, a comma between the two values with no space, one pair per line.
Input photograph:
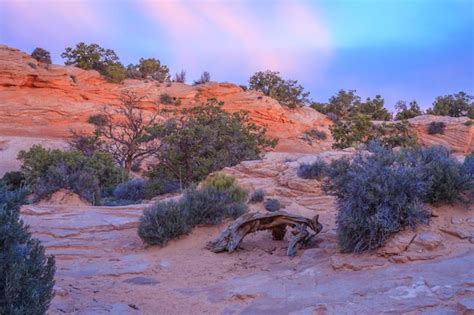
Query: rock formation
[102,266]
[50,100]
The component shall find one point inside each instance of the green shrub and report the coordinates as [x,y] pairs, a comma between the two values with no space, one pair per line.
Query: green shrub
[221,181]
[80,181]
[346,105]
[26,274]
[468,166]
[151,67]
[165,98]
[41,55]
[86,144]
[114,73]
[376,197]
[257,196]
[208,205]
[469,123]
[163,222]
[315,170]
[132,190]
[287,92]
[98,120]
[442,174]
[48,170]
[272,205]
[457,105]
[180,77]
[158,186]
[436,127]
[336,177]
[393,135]
[90,57]
[317,134]
[405,112]
[352,132]
[13,180]
[360,130]
[205,78]
[211,205]
[207,139]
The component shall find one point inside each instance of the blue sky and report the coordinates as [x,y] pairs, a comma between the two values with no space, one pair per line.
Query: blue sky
[401,49]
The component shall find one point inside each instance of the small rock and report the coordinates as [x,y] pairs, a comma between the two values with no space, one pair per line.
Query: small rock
[399,259]
[355,262]
[60,291]
[397,244]
[457,231]
[142,281]
[165,264]
[428,240]
[470,220]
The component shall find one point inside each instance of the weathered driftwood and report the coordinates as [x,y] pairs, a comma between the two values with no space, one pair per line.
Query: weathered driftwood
[276,221]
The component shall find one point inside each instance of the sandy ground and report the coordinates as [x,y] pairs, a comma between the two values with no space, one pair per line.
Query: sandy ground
[104,268]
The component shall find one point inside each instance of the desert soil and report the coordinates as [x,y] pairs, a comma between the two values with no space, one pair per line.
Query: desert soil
[103,267]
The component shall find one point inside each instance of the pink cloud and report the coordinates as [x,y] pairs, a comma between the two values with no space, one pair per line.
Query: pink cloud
[296,38]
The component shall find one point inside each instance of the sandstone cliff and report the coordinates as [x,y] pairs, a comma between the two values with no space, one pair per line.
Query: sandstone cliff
[48,101]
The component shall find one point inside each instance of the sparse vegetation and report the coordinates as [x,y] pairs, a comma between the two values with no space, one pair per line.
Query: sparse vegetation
[382,192]
[205,78]
[163,222]
[360,130]
[26,274]
[90,57]
[405,112]
[287,92]
[97,120]
[347,105]
[441,174]
[41,55]
[272,205]
[315,170]
[133,72]
[457,105]
[436,127]
[152,68]
[223,182]
[205,140]
[165,98]
[114,73]
[13,180]
[180,77]
[208,205]
[132,191]
[257,196]
[124,132]
[47,171]
[316,134]
[376,197]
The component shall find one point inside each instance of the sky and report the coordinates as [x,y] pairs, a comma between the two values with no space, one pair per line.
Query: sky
[400,49]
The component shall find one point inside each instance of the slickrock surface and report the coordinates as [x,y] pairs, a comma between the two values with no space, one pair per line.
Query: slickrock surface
[458,137]
[103,267]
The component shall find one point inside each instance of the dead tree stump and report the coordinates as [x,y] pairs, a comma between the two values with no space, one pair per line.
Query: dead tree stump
[277,221]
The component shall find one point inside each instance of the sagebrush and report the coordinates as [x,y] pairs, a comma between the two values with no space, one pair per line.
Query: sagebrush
[26,273]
